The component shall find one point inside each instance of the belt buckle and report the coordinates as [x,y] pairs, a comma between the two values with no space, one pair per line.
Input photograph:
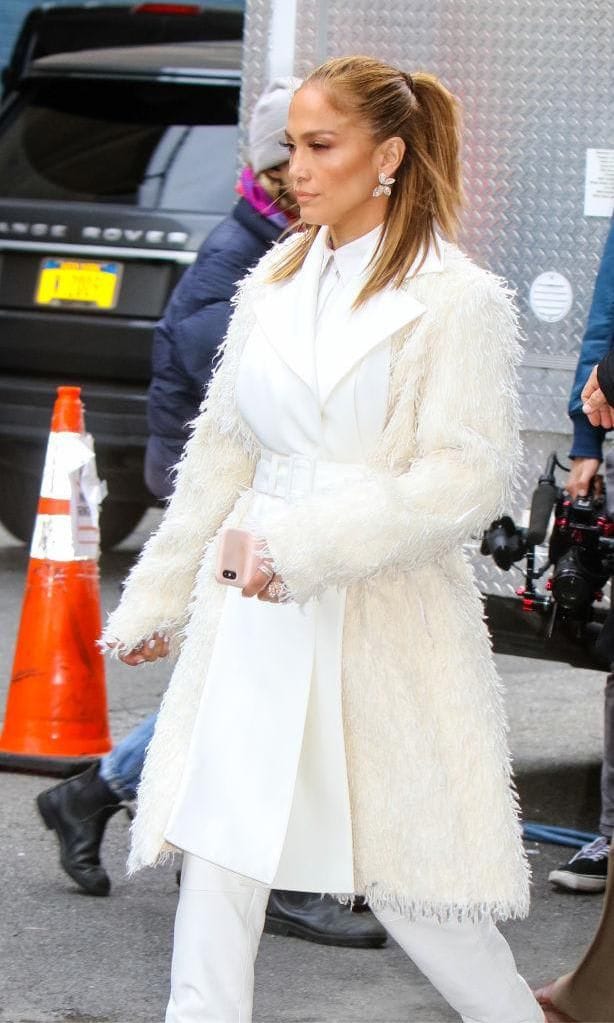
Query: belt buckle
[298,462]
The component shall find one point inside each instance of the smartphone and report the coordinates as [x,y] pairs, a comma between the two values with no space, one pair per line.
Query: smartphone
[237,557]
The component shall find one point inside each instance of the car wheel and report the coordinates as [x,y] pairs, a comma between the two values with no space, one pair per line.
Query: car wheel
[117,520]
[19,500]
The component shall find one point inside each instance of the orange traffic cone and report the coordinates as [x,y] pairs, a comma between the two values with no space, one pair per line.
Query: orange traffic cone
[56,713]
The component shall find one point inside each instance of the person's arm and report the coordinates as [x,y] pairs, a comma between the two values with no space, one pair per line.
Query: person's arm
[185,343]
[468,450]
[188,336]
[597,341]
[213,471]
[197,333]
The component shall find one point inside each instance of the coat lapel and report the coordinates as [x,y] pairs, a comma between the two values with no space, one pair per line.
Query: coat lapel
[367,327]
[286,315]
[373,322]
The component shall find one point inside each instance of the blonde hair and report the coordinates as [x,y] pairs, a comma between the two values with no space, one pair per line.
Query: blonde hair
[427,195]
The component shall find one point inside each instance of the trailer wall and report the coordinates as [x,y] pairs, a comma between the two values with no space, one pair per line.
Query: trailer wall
[535,81]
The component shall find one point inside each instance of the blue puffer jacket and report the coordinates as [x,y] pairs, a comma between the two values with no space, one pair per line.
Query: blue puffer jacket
[187,337]
[597,342]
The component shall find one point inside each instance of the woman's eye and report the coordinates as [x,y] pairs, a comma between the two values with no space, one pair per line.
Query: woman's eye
[318,145]
[287,145]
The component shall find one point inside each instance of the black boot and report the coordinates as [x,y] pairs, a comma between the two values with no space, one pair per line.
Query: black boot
[78,811]
[321,919]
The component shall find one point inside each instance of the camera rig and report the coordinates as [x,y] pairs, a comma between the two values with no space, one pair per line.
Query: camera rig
[580,554]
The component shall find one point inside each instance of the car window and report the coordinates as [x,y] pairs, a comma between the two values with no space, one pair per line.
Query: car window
[150,145]
[197,170]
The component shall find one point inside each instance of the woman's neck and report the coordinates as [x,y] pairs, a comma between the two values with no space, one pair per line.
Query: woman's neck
[351,229]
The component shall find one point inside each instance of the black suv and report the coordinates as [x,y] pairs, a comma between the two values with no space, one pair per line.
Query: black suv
[114,166]
[52,29]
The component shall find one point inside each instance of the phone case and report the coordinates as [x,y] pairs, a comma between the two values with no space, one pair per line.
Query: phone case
[237,557]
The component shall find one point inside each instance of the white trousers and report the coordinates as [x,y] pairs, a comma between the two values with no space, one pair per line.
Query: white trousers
[219,922]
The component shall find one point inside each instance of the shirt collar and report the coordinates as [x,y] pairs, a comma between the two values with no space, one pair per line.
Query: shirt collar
[352,259]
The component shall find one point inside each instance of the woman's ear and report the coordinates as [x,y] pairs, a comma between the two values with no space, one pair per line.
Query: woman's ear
[391,153]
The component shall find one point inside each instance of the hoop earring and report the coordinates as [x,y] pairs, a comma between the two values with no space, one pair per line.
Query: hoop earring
[384,186]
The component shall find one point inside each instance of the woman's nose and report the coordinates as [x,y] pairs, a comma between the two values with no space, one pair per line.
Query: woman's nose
[297,170]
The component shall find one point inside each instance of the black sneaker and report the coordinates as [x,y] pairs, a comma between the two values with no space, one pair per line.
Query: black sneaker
[587,871]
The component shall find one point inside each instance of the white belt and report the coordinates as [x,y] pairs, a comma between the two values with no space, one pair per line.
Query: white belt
[294,476]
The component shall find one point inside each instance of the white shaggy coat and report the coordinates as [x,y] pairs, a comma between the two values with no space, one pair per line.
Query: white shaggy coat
[434,814]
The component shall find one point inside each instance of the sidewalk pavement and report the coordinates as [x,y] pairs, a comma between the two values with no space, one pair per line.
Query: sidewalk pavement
[69,957]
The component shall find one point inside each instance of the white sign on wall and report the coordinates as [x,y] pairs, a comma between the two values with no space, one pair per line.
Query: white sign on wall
[599,183]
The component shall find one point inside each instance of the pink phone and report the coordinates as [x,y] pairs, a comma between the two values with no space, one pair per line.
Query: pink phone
[237,557]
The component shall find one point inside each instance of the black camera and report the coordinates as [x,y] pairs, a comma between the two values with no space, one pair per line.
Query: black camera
[580,550]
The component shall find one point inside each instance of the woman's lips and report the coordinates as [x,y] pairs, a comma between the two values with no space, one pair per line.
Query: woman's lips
[305,196]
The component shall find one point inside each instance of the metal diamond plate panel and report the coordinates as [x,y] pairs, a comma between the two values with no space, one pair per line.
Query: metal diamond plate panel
[534,80]
[256,38]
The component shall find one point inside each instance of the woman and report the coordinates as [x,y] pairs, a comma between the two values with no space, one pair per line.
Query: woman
[355,426]
[185,342]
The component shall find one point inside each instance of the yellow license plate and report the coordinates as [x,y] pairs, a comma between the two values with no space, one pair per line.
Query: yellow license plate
[66,282]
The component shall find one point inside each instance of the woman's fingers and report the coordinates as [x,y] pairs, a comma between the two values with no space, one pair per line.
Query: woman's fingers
[276,592]
[268,588]
[148,650]
[259,580]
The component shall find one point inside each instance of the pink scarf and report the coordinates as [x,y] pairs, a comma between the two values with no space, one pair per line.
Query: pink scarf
[259,199]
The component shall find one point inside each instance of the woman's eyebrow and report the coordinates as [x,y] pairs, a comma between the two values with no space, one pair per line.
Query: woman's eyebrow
[312,134]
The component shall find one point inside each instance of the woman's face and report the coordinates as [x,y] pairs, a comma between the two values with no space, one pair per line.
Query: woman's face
[334,165]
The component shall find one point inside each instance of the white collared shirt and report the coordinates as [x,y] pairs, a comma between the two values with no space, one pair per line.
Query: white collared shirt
[340,279]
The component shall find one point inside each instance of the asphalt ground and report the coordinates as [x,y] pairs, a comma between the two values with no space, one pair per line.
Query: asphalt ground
[65,956]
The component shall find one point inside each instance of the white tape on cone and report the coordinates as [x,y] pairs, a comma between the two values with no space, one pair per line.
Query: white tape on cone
[52,539]
[69,475]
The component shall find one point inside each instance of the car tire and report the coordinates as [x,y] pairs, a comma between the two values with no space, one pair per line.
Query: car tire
[118,519]
[19,500]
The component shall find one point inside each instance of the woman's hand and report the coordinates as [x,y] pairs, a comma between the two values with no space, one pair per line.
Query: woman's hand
[149,650]
[266,585]
[276,592]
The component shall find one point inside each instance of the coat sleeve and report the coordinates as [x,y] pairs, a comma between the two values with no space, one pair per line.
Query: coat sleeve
[468,449]
[210,476]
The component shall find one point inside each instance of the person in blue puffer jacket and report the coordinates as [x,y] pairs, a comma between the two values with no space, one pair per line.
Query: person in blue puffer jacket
[185,343]
[197,316]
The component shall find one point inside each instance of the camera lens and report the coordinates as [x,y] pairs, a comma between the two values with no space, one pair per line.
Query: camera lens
[228,574]
[572,585]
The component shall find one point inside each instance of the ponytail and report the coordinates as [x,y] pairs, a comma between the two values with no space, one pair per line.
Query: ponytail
[427,196]
[434,143]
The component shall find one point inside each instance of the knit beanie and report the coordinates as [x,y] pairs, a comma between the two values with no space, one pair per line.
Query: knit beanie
[267,127]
